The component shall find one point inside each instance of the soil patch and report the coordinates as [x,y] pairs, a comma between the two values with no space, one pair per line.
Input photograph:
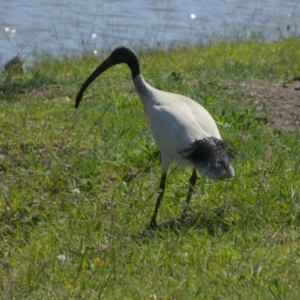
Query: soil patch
[279,103]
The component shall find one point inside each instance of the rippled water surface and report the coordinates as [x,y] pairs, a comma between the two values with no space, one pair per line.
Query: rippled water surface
[73,25]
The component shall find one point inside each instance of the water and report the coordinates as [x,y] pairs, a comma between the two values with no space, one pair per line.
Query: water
[74,26]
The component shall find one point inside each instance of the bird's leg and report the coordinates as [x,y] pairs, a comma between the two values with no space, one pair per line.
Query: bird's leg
[192,183]
[158,200]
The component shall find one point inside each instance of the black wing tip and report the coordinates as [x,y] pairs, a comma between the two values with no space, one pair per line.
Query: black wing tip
[211,157]
[205,150]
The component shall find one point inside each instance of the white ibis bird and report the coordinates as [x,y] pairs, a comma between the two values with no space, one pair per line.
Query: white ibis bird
[183,130]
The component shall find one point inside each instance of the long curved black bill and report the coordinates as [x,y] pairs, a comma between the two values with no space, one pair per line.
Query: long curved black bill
[103,67]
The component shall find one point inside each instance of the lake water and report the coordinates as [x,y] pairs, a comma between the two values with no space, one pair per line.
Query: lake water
[74,26]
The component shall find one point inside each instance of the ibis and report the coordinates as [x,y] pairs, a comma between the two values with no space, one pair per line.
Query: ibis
[184,130]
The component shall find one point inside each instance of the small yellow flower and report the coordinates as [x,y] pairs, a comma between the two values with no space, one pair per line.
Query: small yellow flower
[98,261]
[69,287]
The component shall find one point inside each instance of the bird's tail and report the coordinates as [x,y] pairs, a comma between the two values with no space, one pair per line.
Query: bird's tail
[211,157]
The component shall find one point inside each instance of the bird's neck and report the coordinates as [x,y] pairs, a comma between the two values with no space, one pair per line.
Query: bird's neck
[144,90]
[132,61]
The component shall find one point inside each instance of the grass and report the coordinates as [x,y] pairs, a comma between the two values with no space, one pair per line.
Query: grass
[78,187]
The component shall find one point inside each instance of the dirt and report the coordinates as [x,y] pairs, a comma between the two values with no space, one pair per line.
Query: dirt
[278,102]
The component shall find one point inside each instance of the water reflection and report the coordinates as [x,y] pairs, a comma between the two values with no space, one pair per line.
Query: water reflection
[11,32]
[91,25]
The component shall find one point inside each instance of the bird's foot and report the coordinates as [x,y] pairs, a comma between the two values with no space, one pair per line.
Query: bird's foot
[185,213]
[152,225]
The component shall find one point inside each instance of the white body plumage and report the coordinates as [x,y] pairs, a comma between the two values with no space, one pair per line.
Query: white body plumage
[176,122]
[183,130]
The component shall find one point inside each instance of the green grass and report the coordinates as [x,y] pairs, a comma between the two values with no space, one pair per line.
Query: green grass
[71,180]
